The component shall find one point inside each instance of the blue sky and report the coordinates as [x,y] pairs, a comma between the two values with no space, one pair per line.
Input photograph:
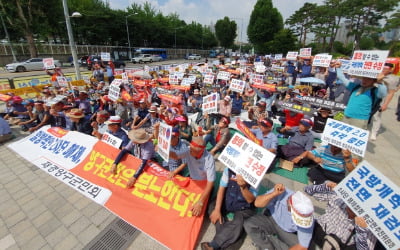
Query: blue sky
[209,11]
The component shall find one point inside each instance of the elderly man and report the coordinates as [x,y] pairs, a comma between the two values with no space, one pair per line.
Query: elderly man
[114,128]
[201,166]
[219,135]
[257,113]
[287,221]
[99,125]
[264,133]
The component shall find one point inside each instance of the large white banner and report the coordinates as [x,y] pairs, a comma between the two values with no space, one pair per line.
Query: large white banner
[246,158]
[322,60]
[376,198]
[368,63]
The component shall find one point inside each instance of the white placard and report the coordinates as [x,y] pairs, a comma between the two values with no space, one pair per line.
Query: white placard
[114,90]
[187,81]
[278,56]
[105,56]
[346,136]
[368,63]
[260,68]
[208,78]
[345,65]
[257,79]
[292,55]
[237,85]
[164,141]
[210,103]
[376,198]
[215,62]
[246,158]
[125,79]
[306,52]
[173,79]
[62,81]
[48,63]
[224,75]
[111,140]
[322,60]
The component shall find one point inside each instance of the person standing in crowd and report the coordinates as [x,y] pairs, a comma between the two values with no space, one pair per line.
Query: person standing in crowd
[320,120]
[331,76]
[56,72]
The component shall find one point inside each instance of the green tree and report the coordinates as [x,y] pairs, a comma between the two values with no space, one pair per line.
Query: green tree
[283,42]
[225,30]
[301,21]
[265,22]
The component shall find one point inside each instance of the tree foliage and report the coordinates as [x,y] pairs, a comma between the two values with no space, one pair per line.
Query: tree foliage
[225,30]
[265,22]
[283,42]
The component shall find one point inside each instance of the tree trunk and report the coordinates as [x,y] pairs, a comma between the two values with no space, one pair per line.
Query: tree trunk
[31,44]
[26,28]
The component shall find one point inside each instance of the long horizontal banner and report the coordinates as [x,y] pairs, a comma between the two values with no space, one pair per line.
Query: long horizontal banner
[156,204]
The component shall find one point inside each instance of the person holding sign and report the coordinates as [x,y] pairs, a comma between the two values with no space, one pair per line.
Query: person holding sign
[201,166]
[142,148]
[264,133]
[287,221]
[257,113]
[234,204]
[56,72]
[175,166]
[114,128]
[219,135]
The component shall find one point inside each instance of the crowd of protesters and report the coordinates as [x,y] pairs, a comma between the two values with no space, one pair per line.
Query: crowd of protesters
[287,218]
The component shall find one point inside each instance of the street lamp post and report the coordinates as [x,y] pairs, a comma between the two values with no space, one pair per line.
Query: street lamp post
[71,38]
[8,38]
[127,33]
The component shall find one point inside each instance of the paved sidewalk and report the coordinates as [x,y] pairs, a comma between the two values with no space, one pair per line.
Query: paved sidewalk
[39,212]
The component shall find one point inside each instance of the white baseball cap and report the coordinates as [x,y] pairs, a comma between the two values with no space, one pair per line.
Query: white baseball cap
[302,210]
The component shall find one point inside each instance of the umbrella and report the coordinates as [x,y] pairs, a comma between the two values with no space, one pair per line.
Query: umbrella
[312,80]
[142,74]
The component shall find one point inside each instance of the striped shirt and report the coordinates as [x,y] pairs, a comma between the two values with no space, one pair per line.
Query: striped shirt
[334,163]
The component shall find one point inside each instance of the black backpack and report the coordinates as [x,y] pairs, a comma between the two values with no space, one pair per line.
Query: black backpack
[376,102]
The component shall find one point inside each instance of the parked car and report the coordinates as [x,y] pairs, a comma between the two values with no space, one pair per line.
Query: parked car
[142,58]
[194,57]
[156,58]
[30,64]
[119,63]
[93,59]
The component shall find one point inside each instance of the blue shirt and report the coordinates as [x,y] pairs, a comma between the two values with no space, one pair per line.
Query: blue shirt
[269,141]
[121,135]
[305,140]
[144,151]
[4,127]
[334,163]
[225,179]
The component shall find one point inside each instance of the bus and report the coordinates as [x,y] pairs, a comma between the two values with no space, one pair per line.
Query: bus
[151,51]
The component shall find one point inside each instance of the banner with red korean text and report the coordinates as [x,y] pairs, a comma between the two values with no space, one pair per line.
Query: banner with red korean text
[246,158]
[155,205]
[246,131]
[368,63]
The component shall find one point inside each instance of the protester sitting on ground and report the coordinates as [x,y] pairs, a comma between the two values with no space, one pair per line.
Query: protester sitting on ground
[26,123]
[234,204]
[176,166]
[169,116]
[286,223]
[333,163]
[218,136]
[83,102]
[58,117]
[320,119]
[290,121]
[141,114]
[40,117]
[18,111]
[349,231]
[114,128]
[142,148]
[301,140]
[79,122]
[99,126]
[184,129]
[201,166]
[257,113]
[5,131]
[194,102]
[237,103]
[225,106]
[264,133]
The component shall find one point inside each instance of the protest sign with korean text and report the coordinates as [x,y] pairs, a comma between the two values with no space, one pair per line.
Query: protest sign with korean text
[164,140]
[237,85]
[295,107]
[208,78]
[278,56]
[173,79]
[246,158]
[257,79]
[305,52]
[111,140]
[346,136]
[210,103]
[224,75]
[322,60]
[114,90]
[48,63]
[373,196]
[346,65]
[292,55]
[368,63]
[260,68]
[105,56]
[62,81]
[324,103]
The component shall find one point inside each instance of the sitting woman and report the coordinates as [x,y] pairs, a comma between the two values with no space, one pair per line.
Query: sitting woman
[184,129]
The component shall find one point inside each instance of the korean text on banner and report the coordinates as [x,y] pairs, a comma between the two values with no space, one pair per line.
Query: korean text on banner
[224,75]
[210,103]
[246,158]
[346,136]
[322,60]
[209,78]
[257,79]
[320,102]
[306,52]
[105,56]
[292,55]
[376,198]
[173,79]
[111,140]
[62,81]
[164,140]
[278,56]
[114,90]
[48,63]
[237,85]
[368,63]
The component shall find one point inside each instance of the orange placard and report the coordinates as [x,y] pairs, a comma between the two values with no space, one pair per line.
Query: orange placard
[156,205]
[269,87]
[170,98]
[246,131]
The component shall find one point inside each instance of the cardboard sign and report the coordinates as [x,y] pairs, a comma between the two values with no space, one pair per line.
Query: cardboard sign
[305,52]
[223,75]
[319,102]
[346,136]
[368,63]
[237,85]
[246,158]
[292,55]
[114,90]
[62,81]
[376,198]
[209,79]
[322,60]
[111,140]
[48,63]
[288,165]
[164,141]
[105,56]
[210,103]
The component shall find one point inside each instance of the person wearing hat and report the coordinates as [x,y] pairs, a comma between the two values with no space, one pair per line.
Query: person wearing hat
[17,112]
[79,122]
[39,116]
[225,106]
[99,126]
[300,140]
[257,113]
[290,121]
[185,130]
[114,128]
[320,119]
[176,166]
[287,221]
[264,133]
[392,83]
[152,118]
[83,102]
[56,73]
[195,101]
[141,115]
[219,135]
[142,147]
[201,166]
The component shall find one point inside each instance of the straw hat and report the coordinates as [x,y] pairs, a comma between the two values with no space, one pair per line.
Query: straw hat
[75,113]
[139,135]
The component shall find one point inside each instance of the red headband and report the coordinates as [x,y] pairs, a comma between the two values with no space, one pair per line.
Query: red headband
[224,119]
[192,143]
[266,123]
